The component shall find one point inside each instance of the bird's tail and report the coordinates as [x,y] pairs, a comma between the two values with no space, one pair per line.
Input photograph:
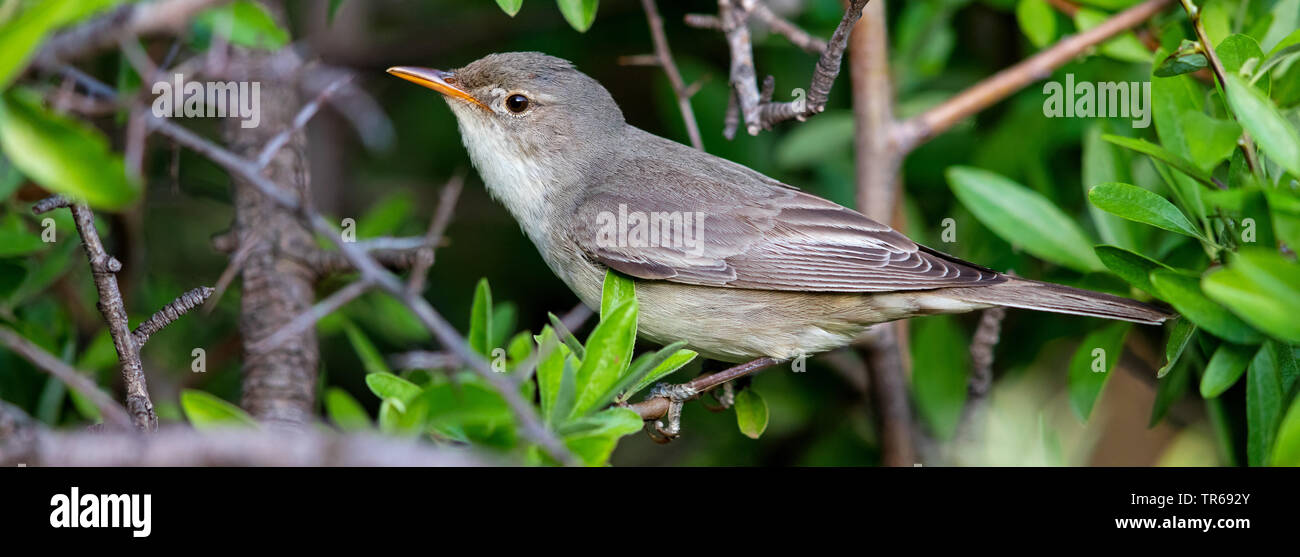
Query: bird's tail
[1045,296]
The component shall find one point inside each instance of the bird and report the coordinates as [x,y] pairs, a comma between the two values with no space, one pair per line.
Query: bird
[740,266]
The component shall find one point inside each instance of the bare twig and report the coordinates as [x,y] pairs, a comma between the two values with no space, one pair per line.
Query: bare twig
[170,312]
[790,31]
[763,115]
[306,319]
[300,120]
[112,412]
[922,127]
[423,359]
[1194,13]
[433,237]
[664,56]
[575,317]
[981,351]
[104,268]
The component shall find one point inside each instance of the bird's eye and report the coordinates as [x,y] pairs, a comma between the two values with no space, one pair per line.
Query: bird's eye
[517,103]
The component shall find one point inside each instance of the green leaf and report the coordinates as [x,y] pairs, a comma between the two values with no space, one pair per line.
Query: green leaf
[1104,162]
[594,437]
[386,216]
[206,411]
[566,393]
[1125,46]
[1261,287]
[1225,368]
[641,367]
[1139,205]
[242,23]
[1170,388]
[579,13]
[1037,21]
[1270,130]
[1163,155]
[1210,140]
[567,337]
[1286,447]
[389,386]
[371,360]
[1180,335]
[550,369]
[480,320]
[20,36]
[1186,59]
[817,141]
[1132,267]
[1184,293]
[1023,217]
[677,360]
[345,411]
[617,290]
[1091,366]
[751,413]
[609,353]
[1237,51]
[62,154]
[1263,402]
[16,243]
[510,7]
[940,371]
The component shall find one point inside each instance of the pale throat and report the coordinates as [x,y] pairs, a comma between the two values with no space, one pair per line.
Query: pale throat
[518,183]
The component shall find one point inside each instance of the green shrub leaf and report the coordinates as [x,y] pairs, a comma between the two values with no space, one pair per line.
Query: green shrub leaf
[1139,205]
[206,411]
[1091,366]
[1184,293]
[751,413]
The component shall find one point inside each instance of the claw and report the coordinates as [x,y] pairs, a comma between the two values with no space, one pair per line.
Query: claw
[677,395]
[725,396]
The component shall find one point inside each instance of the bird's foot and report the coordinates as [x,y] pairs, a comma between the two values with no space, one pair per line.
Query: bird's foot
[677,395]
[724,396]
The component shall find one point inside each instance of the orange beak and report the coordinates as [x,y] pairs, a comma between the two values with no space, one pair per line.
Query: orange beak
[438,80]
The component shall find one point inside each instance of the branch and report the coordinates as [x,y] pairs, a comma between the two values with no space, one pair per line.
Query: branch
[109,409]
[664,57]
[790,31]
[530,425]
[170,312]
[759,112]
[656,407]
[126,22]
[437,229]
[308,318]
[104,268]
[921,128]
[24,442]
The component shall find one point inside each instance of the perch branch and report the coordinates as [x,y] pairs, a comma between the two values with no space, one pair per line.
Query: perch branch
[654,408]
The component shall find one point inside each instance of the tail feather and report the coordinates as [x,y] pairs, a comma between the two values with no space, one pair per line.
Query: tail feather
[1045,296]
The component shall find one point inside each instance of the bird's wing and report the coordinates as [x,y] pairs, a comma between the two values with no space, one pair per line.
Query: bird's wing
[746,231]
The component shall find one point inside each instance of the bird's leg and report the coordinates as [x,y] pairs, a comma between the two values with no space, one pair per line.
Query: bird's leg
[724,396]
[665,400]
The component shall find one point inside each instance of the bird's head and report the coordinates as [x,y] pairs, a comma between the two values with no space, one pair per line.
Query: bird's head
[524,104]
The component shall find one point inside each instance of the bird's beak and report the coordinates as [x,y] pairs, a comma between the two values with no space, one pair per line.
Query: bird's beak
[438,80]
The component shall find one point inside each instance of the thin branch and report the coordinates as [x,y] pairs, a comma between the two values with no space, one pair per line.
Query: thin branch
[433,237]
[883,354]
[109,409]
[423,359]
[985,340]
[665,60]
[1194,13]
[923,127]
[170,312]
[308,318]
[656,407]
[785,28]
[300,120]
[104,268]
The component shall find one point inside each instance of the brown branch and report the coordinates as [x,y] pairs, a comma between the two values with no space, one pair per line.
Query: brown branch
[656,407]
[104,268]
[923,127]
[664,56]
[785,28]
[1220,73]
[169,313]
[306,319]
[304,115]
[425,256]
[109,409]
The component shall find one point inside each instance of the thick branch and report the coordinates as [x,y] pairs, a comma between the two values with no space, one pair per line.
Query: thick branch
[930,123]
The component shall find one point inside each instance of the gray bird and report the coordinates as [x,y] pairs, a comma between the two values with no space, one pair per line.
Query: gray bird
[738,265]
